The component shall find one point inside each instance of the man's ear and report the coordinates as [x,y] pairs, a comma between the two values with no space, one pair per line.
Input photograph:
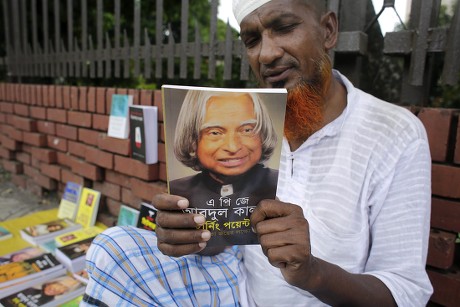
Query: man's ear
[331,30]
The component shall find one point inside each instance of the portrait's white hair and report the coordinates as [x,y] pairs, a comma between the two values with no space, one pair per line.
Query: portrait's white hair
[241,8]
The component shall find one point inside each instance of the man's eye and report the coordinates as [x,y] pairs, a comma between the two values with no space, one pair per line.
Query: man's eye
[247,130]
[285,28]
[250,42]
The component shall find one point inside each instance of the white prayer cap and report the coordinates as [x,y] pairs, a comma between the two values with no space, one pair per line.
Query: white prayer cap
[242,8]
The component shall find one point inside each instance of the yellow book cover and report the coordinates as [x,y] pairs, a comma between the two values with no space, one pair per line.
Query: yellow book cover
[78,235]
[88,207]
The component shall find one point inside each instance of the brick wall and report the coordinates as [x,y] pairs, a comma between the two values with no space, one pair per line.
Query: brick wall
[52,134]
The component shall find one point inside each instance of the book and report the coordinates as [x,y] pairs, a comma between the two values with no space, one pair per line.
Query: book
[127,216]
[49,246]
[82,276]
[68,205]
[5,233]
[88,207]
[21,255]
[16,276]
[73,256]
[54,291]
[119,119]
[40,233]
[77,235]
[147,216]
[143,122]
[223,150]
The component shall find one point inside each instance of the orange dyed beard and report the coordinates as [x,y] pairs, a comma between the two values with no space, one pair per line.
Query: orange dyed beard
[305,103]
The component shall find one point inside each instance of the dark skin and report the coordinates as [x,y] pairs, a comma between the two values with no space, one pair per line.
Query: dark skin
[283,38]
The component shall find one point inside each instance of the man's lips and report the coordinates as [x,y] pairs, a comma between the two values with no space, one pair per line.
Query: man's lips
[273,75]
[233,162]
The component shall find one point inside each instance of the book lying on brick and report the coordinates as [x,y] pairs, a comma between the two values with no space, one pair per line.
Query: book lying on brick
[127,216]
[21,255]
[68,205]
[88,207]
[40,233]
[119,119]
[73,256]
[77,235]
[16,276]
[143,121]
[5,234]
[48,293]
[147,216]
[223,151]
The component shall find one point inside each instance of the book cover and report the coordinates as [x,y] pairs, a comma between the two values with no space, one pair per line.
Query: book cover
[88,207]
[82,276]
[52,292]
[21,255]
[40,233]
[222,153]
[5,233]
[68,205]
[77,235]
[147,216]
[49,246]
[127,216]
[16,276]
[73,256]
[143,121]
[118,119]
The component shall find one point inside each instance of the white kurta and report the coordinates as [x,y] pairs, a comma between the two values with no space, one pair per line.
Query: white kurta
[364,183]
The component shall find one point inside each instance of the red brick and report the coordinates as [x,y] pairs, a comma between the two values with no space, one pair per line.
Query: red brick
[44,155]
[446,286]
[437,123]
[136,94]
[445,214]
[15,134]
[13,166]
[34,162]
[100,122]
[88,136]
[7,107]
[114,145]
[87,170]
[65,159]
[163,173]
[161,152]
[57,143]
[118,179]
[83,98]
[27,148]
[74,99]
[100,100]
[19,180]
[51,170]
[122,91]
[161,132]
[108,99]
[51,97]
[38,112]
[46,182]
[441,249]
[23,157]
[25,124]
[9,143]
[108,189]
[113,206]
[67,132]
[127,197]
[6,154]
[77,149]
[91,101]
[457,145]
[35,139]
[2,118]
[136,168]
[58,96]
[46,127]
[147,190]
[57,115]
[30,171]
[39,97]
[67,175]
[66,97]
[21,109]
[146,98]
[445,180]
[107,219]
[99,157]
[158,101]
[80,119]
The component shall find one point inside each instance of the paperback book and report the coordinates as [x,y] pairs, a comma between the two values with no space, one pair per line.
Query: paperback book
[68,205]
[21,255]
[118,119]
[127,216]
[54,291]
[16,276]
[77,235]
[73,256]
[147,217]
[5,234]
[82,276]
[143,121]
[41,233]
[223,150]
[88,207]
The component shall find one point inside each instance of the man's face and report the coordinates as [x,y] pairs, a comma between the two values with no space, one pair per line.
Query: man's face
[228,145]
[283,38]
[53,289]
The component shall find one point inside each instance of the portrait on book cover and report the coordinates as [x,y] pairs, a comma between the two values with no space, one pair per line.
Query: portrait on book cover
[224,157]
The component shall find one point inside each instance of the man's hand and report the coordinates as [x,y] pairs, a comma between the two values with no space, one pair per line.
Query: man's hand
[284,236]
[176,231]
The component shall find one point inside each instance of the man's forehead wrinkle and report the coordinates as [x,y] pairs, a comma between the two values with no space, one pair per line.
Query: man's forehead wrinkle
[265,20]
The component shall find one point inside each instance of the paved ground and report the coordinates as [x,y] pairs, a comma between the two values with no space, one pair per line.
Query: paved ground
[16,202]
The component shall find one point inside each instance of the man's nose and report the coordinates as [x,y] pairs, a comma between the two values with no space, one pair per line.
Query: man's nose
[269,50]
[232,142]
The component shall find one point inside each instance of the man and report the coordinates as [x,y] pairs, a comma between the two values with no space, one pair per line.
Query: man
[351,224]
[227,137]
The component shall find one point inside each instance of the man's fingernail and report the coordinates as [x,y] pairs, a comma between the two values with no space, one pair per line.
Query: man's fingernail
[206,235]
[253,230]
[183,203]
[199,219]
[202,244]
